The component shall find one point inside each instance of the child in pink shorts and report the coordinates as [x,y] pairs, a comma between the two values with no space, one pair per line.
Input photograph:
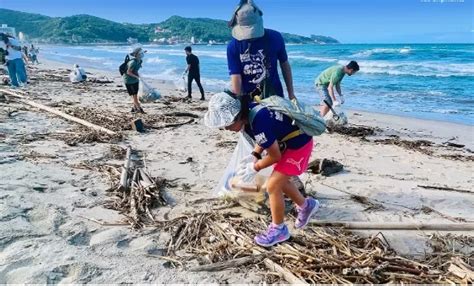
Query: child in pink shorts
[287,148]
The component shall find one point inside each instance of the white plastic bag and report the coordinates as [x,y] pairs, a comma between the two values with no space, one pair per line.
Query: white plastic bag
[338,119]
[146,93]
[229,184]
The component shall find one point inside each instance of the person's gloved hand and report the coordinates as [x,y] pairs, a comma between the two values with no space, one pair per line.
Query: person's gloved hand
[248,159]
[247,173]
[336,103]
[342,99]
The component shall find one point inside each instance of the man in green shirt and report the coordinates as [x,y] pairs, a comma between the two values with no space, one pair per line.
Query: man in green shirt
[330,78]
[131,78]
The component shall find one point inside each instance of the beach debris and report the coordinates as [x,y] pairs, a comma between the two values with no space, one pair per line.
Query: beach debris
[226,144]
[136,193]
[22,99]
[416,145]
[354,130]
[188,160]
[83,135]
[171,125]
[100,80]
[116,152]
[455,145]
[428,210]
[137,125]
[181,114]
[325,167]
[325,255]
[467,226]
[445,188]
[458,157]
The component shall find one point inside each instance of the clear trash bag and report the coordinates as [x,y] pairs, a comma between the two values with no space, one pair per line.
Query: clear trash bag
[146,93]
[337,119]
[230,184]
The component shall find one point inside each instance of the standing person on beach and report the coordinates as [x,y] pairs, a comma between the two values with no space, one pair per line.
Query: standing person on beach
[193,71]
[14,61]
[330,78]
[268,128]
[253,55]
[34,54]
[131,78]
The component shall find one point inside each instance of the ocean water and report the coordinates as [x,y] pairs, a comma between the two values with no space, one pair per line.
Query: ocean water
[428,81]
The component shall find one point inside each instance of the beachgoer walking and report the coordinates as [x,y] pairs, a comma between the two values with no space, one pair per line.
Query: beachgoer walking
[14,61]
[34,54]
[268,128]
[331,78]
[193,71]
[253,55]
[131,78]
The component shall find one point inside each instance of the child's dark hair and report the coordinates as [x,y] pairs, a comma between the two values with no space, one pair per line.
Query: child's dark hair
[188,49]
[245,100]
[353,65]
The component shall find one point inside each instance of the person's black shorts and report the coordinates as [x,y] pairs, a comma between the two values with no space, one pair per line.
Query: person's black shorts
[132,88]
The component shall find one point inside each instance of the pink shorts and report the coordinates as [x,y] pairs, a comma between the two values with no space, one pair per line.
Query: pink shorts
[295,162]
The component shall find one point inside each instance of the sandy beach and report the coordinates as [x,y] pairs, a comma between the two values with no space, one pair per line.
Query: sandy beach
[55,227]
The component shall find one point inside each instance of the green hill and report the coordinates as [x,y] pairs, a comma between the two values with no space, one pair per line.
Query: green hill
[90,29]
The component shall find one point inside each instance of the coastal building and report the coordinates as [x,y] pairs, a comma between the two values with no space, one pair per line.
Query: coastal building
[7,30]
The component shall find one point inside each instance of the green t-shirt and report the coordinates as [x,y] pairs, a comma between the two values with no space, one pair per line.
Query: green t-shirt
[133,65]
[332,74]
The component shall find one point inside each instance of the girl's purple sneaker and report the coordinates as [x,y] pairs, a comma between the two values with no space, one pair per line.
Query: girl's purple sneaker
[273,235]
[305,214]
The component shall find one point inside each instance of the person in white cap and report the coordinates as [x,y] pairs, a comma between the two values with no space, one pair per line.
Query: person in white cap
[269,129]
[253,55]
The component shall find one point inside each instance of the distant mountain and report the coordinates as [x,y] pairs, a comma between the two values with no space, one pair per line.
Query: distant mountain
[91,29]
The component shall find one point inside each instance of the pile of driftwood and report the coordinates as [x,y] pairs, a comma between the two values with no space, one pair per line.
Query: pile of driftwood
[111,119]
[318,255]
[85,135]
[118,121]
[136,194]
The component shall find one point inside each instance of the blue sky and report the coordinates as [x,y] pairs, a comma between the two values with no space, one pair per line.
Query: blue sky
[350,21]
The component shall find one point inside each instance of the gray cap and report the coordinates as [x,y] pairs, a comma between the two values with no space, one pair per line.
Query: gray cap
[247,22]
[223,110]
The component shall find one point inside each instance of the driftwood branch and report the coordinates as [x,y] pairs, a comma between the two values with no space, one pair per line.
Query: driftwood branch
[228,264]
[22,99]
[396,226]
[172,124]
[125,168]
[181,114]
[445,189]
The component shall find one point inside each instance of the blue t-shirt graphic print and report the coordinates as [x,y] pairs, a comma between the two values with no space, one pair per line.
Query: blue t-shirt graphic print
[247,58]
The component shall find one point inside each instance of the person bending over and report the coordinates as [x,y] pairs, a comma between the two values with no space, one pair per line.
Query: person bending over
[289,157]
[331,78]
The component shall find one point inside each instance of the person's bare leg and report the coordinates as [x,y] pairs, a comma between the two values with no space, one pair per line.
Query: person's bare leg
[293,193]
[275,186]
[136,102]
[323,110]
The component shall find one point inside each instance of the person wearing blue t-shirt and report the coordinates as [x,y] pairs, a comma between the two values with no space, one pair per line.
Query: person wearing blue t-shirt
[287,148]
[253,55]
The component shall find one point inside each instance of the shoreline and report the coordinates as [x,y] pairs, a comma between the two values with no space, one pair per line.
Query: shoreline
[440,130]
[312,98]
